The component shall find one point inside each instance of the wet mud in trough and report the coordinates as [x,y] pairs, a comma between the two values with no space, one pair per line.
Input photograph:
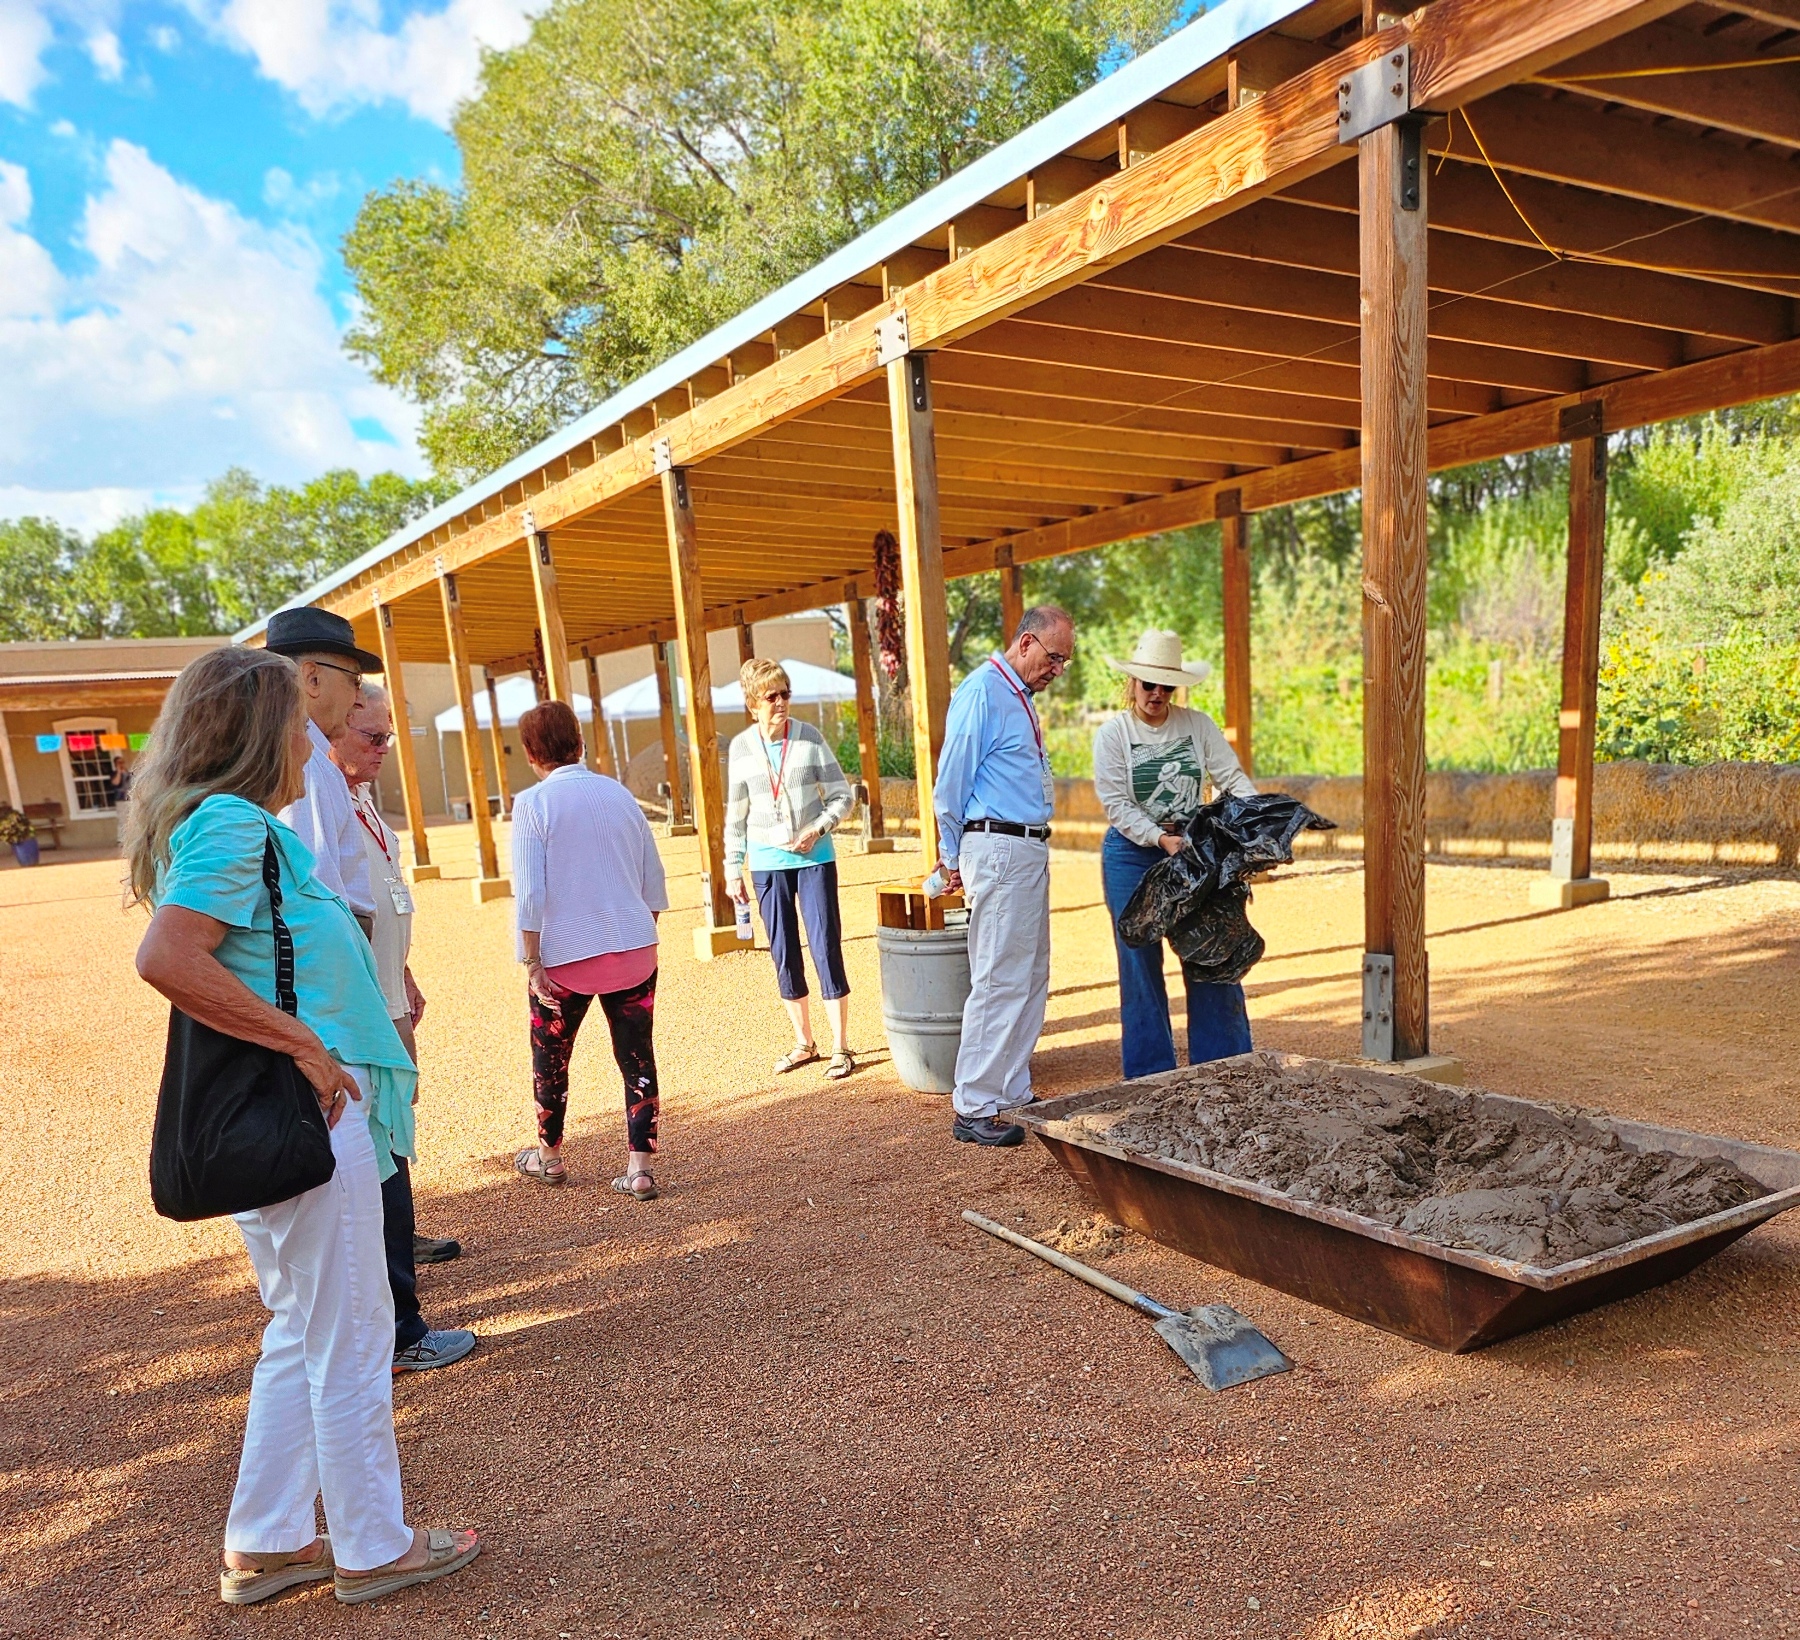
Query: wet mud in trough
[1437,1162]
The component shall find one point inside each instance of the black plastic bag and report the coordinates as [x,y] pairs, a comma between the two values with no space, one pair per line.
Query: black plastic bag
[1196,899]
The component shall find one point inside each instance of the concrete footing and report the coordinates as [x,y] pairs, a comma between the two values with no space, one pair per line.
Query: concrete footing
[483,889]
[716,941]
[423,874]
[680,828]
[1564,894]
[871,845]
[1430,1067]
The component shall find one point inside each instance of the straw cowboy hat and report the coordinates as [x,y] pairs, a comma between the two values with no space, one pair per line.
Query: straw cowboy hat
[1157,659]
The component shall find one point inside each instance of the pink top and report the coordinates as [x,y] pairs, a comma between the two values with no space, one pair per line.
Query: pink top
[610,971]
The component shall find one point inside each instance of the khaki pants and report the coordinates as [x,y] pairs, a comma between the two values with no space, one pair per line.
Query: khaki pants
[1007,880]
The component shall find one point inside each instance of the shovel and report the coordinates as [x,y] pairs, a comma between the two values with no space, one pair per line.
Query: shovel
[1220,1345]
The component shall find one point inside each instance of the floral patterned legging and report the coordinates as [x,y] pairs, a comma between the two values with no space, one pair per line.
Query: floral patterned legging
[630,1015]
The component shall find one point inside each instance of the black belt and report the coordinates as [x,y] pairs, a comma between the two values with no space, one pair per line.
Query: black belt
[1010,828]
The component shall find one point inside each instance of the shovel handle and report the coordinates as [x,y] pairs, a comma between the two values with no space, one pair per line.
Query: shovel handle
[1106,1284]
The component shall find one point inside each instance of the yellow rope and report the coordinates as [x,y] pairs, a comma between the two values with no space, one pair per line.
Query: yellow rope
[1668,68]
[1494,171]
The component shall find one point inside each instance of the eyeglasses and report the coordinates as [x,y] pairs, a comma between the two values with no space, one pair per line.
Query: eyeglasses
[377,741]
[348,671]
[779,694]
[1060,662]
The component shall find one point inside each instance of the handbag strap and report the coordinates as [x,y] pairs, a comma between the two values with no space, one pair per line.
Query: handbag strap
[285,999]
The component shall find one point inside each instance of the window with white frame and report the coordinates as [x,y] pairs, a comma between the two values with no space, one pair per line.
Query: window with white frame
[87,766]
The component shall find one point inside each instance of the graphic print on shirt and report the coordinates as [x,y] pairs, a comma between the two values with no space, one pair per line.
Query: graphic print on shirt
[1167,780]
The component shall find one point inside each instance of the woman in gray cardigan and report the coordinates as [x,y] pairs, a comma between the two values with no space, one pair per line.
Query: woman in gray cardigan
[785,796]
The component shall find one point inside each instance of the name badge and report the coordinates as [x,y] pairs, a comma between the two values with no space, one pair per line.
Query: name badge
[781,833]
[1049,788]
[401,895]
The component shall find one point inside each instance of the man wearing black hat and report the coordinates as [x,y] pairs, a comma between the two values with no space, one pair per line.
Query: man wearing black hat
[331,665]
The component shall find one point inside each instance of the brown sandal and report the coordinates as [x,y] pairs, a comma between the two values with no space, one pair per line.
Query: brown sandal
[628,1186]
[446,1552]
[247,1586]
[529,1164]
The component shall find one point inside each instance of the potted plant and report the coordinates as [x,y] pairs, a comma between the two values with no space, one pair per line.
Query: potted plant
[16,829]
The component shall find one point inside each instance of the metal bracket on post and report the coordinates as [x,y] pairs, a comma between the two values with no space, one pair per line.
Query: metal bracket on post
[918,382]
[1562,849]
[1378,1005]
[661,456]
[1375,95]
[891,341]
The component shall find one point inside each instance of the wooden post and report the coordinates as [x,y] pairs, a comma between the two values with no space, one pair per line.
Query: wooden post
[719,934]
[601,750]
[498,732]
[868,731]
[665,699]
[554,637]
[1234,564]
[1391,174]
[1571,882]
[421,869]
[1012,600]
[746,637]
[921,576]
[488,884]
[11,769]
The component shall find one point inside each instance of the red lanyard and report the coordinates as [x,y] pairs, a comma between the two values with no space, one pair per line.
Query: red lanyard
[1036,731]
[778,778]
[377,834]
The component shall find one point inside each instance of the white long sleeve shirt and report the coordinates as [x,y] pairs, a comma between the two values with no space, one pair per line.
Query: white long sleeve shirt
[325,820]
[585,868]
[1147,776]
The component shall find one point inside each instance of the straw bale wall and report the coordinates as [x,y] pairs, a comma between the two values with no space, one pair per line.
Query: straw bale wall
[1721,813]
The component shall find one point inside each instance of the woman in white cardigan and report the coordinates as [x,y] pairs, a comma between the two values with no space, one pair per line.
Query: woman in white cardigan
[590,888]
[1152,764]
[785,796]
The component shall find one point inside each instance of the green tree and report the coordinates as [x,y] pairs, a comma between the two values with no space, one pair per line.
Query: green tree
[36,555]
[638,171]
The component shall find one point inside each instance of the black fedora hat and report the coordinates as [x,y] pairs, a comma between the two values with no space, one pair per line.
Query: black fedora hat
[316,632]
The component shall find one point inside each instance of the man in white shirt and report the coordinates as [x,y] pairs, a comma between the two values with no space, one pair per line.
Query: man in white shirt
[331,665]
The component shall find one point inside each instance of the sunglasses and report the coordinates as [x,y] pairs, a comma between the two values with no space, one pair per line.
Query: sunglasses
[1157,688]
[348,671]
[779,694]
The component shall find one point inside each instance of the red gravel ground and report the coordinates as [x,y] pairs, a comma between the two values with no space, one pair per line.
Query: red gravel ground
[798,1397]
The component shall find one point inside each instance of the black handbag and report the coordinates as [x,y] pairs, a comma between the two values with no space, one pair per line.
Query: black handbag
[237,1125]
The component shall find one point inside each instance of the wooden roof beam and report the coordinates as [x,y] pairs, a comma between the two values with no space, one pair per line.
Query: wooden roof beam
[908,266]
[1155,126]
[1605,228]
[1763,103]
[1295,235]
[981,225]
[1059,181]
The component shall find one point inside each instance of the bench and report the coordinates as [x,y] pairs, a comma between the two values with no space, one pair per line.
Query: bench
[46,819]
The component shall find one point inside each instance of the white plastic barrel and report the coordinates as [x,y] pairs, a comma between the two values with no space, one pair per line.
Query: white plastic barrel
[924,984]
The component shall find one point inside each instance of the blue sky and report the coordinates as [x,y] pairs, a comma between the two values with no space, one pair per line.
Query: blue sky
[175,179]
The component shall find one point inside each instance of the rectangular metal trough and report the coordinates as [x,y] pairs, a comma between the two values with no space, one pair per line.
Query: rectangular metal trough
[1443,1296]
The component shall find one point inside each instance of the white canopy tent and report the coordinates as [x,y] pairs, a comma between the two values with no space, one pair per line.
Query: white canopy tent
[813,686]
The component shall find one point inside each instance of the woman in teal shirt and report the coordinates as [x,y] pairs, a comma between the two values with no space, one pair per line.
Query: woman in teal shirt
[230,748]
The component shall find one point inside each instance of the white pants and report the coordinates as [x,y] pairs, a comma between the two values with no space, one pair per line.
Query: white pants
[322,1397]
[1007,881]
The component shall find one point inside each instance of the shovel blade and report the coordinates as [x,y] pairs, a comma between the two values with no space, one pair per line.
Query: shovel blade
[1221,1346]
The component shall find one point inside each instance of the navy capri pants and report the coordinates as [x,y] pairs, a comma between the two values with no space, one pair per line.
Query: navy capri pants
[788,895]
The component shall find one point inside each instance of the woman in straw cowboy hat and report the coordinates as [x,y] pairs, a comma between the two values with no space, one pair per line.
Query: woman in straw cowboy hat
[1152,764]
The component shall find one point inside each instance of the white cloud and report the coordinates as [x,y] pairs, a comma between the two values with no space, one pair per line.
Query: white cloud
[336,54]
[90,511]
[198,339]
[164,38]
[24,36]
[103,52]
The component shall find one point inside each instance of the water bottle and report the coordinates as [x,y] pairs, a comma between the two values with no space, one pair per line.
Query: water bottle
[937,885]
[744,930]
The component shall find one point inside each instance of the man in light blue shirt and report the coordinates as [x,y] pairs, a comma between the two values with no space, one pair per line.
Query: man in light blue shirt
[993,798]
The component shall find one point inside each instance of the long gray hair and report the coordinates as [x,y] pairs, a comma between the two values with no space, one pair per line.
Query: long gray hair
[226,726]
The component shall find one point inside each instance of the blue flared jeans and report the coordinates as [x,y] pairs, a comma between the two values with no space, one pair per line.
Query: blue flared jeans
[1217,1024]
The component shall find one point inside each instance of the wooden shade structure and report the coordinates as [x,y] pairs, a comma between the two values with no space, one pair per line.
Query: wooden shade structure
[1298,249]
